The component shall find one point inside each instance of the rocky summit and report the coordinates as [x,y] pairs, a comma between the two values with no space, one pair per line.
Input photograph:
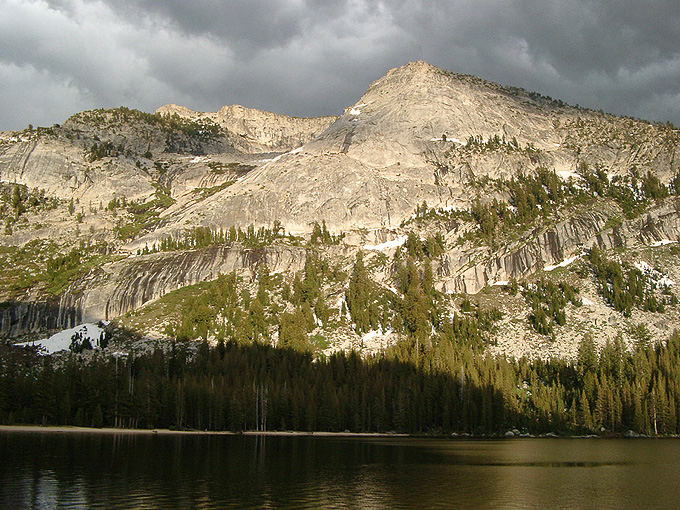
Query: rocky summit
[436,201]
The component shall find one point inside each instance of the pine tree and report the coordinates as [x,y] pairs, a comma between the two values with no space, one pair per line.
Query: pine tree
[416,317]
[587,355]
[98,417]
[359,296]
[292,331]
[258,320]
[263,282]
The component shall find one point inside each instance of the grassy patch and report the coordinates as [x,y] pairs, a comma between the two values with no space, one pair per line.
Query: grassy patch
[239,169]
[41,265]
[144,215]
[204,193]
[165,310]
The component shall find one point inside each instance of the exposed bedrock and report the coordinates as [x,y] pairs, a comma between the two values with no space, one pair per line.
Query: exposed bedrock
[256,131]
[20,318]
[119,287]
[471,270]
[128,284]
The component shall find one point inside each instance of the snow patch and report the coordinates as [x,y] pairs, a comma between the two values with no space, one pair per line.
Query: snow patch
[62,340]
[587,302]
[665,281]
[199,159]
[566,174]
[371,335]
[375,341]
[392,289]
[644,267]
[661,243]
[388,245]
[451,208]
[500,283]
[356,109]
[276,158]
[653,274]
[271,160]
[564,263]
[341,301]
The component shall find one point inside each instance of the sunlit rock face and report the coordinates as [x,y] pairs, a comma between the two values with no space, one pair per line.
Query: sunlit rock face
[257,131]
[407,140]
[418,135]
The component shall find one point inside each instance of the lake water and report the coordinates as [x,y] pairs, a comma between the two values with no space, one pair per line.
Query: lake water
[60,470]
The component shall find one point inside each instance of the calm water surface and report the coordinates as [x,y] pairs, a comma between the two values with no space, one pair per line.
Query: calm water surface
[59,470]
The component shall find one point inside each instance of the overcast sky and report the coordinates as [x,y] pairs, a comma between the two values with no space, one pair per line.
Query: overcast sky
[314,57]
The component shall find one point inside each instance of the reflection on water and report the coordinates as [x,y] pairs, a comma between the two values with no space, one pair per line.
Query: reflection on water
[57,470]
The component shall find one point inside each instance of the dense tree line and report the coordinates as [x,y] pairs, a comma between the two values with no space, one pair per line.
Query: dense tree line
[625,287]
[530,196]
[369,305]
[633,192]
[449,387]
[169,123]
[202,237]
[103,150]
[547,301]
[435,379]
[321,235]
[431,247]
[227,309]
[542,193]
[230,309]
[495,143]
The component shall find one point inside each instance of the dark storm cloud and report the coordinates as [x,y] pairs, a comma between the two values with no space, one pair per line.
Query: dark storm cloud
[249,25]
[314,57]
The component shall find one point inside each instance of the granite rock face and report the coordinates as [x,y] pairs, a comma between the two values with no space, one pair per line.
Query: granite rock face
[123,286]
[60,168]
[418,134]
[421,134]
[257,131]
[119,287]
[470,270]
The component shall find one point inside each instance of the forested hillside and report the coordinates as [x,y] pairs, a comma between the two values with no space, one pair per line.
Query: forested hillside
[445,255]
[451,388]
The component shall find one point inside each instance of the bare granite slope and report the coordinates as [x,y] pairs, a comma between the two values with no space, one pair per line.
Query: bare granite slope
[256,130]
[418,134]
[423,134]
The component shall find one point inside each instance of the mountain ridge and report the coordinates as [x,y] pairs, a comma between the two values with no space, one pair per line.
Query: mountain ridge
[481,183]
[390,143]
[261,131]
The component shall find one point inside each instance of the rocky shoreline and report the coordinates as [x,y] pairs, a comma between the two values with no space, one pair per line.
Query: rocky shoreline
[510,434]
